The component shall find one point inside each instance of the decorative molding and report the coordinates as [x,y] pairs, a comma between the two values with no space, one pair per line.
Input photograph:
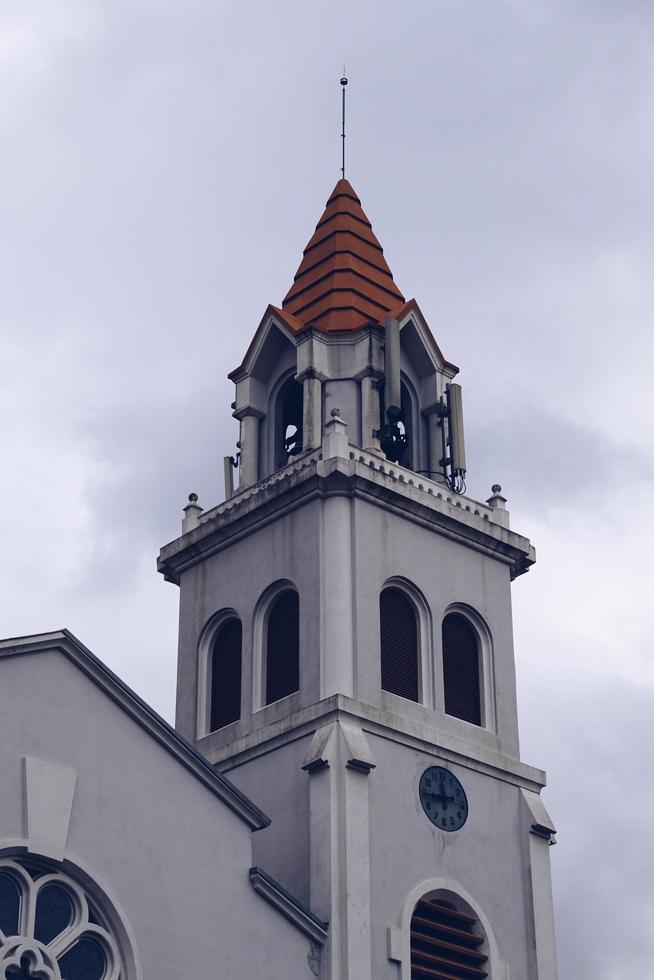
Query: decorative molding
[430,739]
[48,796]
[358,753]
[323,747]
[317,757]
[541,822]
[289,906]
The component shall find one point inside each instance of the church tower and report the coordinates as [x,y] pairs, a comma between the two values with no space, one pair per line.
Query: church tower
[345,645]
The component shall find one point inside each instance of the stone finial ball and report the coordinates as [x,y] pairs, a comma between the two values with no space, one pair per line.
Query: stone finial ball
[336,413]
[193,497]
[496,488]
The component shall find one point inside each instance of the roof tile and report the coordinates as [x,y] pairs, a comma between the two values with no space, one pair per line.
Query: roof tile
[343,282]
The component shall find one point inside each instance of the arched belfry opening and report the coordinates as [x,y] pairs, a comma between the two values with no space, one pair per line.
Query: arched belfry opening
[289,412]
[397,438]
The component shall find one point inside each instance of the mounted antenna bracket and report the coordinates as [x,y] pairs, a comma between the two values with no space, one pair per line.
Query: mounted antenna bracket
[450,420]
[230,463]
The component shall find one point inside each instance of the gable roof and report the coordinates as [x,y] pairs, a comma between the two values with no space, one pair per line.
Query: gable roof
[141,712]
[343,282]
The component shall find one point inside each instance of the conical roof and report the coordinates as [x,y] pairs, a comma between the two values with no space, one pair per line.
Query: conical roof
[343,282]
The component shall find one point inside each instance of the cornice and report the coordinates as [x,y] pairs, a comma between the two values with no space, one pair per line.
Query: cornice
[421,736]
[360,475]
[289,906]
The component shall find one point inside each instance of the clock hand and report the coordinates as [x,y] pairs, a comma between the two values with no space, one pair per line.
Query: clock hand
[461,804]
[433,796]
[443,794]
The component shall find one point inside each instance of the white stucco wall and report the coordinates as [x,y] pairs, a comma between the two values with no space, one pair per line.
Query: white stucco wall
[339,552]
[171,854]
[484,859]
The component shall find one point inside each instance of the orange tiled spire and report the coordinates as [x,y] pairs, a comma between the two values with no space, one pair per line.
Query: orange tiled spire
[343,281]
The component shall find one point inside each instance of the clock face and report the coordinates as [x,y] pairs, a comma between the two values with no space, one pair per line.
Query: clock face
[443,798]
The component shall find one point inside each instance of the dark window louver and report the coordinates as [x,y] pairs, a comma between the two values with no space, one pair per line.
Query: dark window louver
[283,647]
[398,628]
[461,669]
[226,675]
[445,943]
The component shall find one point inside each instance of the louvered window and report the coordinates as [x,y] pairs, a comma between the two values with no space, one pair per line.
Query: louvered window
[399,644]
[461,669]
[446,943]
[283,647]
[226,675]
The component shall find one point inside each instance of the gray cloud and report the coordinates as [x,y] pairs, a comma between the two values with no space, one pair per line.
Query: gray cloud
[545,459]
[600,795]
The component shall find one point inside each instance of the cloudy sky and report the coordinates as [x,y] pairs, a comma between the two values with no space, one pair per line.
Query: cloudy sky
[162,165]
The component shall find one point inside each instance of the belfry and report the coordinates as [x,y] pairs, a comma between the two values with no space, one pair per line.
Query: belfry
[345,643]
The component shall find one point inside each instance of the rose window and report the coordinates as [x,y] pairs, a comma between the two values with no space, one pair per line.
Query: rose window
[50,929]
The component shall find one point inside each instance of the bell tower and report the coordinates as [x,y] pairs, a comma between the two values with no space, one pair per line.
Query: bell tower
[345,645]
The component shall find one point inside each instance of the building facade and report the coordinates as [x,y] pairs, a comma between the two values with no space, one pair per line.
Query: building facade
[345,660]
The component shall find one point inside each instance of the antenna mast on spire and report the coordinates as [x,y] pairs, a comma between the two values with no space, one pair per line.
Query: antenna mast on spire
[343,83]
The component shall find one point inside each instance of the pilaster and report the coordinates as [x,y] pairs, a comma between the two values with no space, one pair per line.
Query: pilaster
[312,412]
[539,831]
[338,762]
[370,421]
[336,577]
[249,444]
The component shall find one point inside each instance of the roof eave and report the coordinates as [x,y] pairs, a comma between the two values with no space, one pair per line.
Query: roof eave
[141,712]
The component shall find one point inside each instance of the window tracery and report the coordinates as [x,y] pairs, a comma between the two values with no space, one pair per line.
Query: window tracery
[51,929]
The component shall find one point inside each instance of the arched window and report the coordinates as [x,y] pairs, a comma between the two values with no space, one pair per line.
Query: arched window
[283,646]
[461,669]
[289,419]
[446,942]
[398,630]
[52,928]
[226,674]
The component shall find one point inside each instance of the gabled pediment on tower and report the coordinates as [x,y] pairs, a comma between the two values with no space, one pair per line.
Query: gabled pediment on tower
[275,329]
[419,342]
